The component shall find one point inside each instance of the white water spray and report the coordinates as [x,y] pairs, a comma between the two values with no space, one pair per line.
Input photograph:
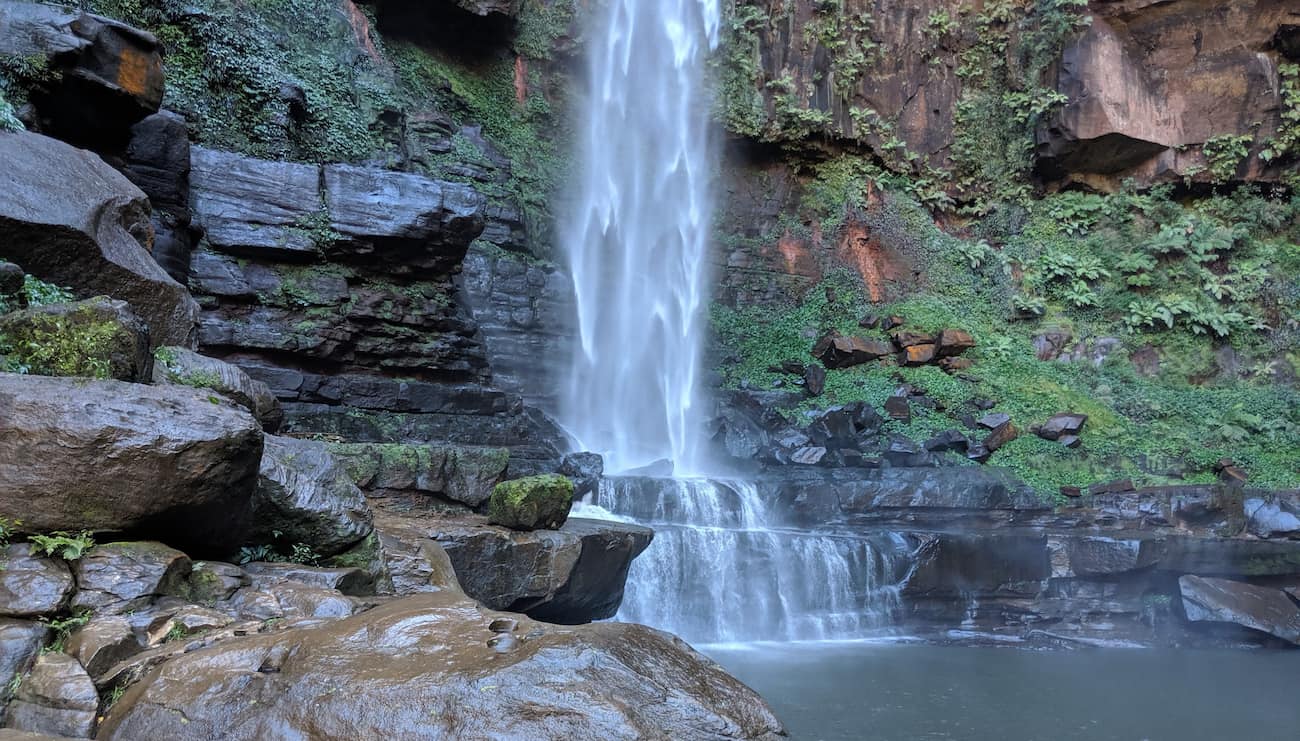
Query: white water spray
[638,238]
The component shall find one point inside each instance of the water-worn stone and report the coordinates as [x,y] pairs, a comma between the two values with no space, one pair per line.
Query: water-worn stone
[585,470]
[1265,609]
[532,502]
[99,338]
[104,75]
[117,577]
[1274,517]
[20,643]
[350,581]
[70,219]
[421,667]
[572,575]
[170,462]
[213,581]
[31,585]
[183,367]
[103,642]
[461,474]
[56,697]
[305,495]
[12,280]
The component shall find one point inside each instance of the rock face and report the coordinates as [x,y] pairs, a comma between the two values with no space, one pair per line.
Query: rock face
[304,494]
[110,74]
[56,698]
[531,503]
[572,575]
[112,456]
[1265,609]
[96,338]
[608,681]
[32,586]
[462,475]
[70,219]
[182,367]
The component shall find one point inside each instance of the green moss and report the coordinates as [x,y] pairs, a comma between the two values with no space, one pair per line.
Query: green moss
[541,24]
[79,343]
[531,503]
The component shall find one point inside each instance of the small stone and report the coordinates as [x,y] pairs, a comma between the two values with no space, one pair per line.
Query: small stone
[978,452]
[1117,486]
[955,365]
[1062,425]
[809,456]
[948,441]
[994,421]
[1070,441]
[914,355]
[892,322]
[1001,436]
[1233,475]
[503,625]
[898,409]
[11,279]
[836,351]
[1072,492]
[870,321]
[983,404]
[814,379]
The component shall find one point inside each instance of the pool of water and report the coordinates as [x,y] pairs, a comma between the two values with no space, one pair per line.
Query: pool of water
[887,691]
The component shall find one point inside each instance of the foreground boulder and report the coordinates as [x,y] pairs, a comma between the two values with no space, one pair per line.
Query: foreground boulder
[305,496]
[173,462]
[70,219]
[97,338]
[532,503]
[183,367]
[56,698]
[435,666]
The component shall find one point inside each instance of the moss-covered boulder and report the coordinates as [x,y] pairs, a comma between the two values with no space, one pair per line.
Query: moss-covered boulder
[531,503]
[96,338]
[462,474]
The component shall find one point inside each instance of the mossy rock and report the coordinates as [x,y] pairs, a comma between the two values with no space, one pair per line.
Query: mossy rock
[96,338]
[531,503]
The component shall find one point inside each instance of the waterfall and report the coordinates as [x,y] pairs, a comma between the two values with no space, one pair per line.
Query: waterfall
[720,571]
[637,239]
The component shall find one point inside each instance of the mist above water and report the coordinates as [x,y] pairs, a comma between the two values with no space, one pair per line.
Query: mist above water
[637,239]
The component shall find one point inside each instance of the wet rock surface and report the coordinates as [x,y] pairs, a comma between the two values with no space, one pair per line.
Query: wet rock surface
[1264,609]
[32,585]
[120,577]
[393,688]
[76,454]
[56,698]
[306,496]
[183,367]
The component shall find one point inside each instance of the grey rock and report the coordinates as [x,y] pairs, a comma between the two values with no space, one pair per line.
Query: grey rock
[103,642]
[110,456]
[350,581]
[213,581]
[1099,555]
[1265,609]
[56,698]
[117,577]
[1062,425]
[572,575]
[184,367]
[249,206]
[20,643]
[12,279]
[304,494]
[457,473]
[431,652]
[31,585]
[1274,517]
[157,160]
[70,219]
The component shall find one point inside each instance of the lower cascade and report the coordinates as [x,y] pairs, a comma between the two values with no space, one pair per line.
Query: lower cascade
[722,570]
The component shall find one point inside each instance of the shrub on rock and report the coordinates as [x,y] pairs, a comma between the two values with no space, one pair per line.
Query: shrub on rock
[531,503]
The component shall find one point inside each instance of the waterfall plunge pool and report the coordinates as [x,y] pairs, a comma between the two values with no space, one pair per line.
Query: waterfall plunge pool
[862,691]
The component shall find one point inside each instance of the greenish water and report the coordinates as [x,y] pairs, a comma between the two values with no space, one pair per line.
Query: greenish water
[861,691]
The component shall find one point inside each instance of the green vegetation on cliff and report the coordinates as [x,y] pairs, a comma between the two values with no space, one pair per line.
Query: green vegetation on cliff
[1199,297]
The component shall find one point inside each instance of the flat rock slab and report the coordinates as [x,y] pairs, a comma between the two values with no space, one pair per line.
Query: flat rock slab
[1266,609]
[169,462]
[431,666]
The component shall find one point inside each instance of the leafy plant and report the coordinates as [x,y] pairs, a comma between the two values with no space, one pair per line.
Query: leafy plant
[63,628]
[63,544]
[304,554]
[1225,154]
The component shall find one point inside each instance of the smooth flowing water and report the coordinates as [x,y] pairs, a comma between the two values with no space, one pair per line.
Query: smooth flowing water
[896,692]
[637,240]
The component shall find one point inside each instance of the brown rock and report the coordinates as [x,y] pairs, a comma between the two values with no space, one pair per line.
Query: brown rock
[837,351]
[1001,436]
[1062,425]
[913,355]
[908,339]
[953,342]
[994,421]
[1117,486]
[814,379]
[956,365]
[898,409]
[1073,492]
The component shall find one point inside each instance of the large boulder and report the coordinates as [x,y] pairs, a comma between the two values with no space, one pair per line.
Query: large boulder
[57,698]
[436,666]
[106,75]
[175,463]
[184,367]
[572,575]
[1265,609]
[532,502]
[96,338]
[305,496]
[70,219]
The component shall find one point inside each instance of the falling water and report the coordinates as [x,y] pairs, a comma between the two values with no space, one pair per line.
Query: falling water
[637,241]
[719,569]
